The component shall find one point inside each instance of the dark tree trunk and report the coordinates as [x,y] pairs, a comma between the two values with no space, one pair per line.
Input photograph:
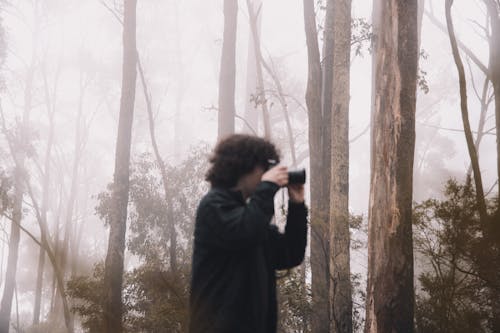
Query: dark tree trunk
[465,115]
[390,294]
[319,227]
[113,270]
[494,14]
[228,70]
[340,273]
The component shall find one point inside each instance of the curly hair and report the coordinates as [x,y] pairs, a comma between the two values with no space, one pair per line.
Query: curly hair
[237,155]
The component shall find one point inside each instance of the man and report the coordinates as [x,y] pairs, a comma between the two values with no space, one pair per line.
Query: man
[236,249]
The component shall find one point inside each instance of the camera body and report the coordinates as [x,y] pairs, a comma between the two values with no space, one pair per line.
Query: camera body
[294,176]
[297,176]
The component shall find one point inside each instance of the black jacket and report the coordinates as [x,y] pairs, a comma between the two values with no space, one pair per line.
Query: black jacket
[236,252]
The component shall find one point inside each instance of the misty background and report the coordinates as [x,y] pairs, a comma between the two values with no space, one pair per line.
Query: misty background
[64,58]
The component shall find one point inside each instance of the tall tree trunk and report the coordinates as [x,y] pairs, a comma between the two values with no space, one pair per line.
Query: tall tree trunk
[465,115]
[15,230]
[340,273]
[228,70]
[390,294]
[113,270]
[39,286]
[260,97]
[49,101]
[15,235]
[494,14]
[319,227]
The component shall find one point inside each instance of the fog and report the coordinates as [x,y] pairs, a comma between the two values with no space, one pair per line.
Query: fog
[73,50]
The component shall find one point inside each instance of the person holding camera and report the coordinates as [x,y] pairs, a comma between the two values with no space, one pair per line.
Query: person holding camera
[236,248]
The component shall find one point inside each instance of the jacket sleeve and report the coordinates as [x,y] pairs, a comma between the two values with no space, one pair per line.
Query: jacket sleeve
[235,225]
[288,249]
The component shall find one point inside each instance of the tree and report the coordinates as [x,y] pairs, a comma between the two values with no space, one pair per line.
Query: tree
[260,96]
[161,165]
[340,274]
[113,270]
[319,243]
[448,237]
[493,8]
[228,70]
[390,295]
[490,229]
[251,115]
[17,145]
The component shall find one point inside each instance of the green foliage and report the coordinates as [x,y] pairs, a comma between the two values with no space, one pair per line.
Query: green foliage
[461,280]
[87,293]
[160,299]
[155,296]
[294,302]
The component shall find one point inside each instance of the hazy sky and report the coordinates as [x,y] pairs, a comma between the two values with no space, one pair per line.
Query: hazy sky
[179,42]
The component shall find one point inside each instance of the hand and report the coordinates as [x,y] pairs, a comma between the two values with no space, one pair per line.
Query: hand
[277,174]
[296,193]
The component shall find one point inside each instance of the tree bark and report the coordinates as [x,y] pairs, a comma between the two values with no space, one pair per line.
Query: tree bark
[228,70]
[319,227]
[340,273]
[113,270]
[465,115]
[390,294]
[494,65]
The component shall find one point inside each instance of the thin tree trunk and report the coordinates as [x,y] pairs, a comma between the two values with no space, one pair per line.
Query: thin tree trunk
[228,70]
[251,115]
[15,234]
[15,231]
[113,270]
[461,45]
[482,121]
[340,274]
[260,98]
[57,251]
[45,243]
[390,294]
[45,200]
[319,227]
[465,115]
[163,171]
[284,108]
[39,286]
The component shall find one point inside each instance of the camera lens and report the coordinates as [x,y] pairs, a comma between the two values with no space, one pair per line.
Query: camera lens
[297,176]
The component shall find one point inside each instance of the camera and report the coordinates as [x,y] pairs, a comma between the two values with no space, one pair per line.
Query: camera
[294,176]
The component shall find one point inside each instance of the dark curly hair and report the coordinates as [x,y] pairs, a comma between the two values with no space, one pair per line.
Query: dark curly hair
[237,155]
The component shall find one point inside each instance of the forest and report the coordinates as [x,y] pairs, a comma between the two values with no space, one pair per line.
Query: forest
[110,109]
